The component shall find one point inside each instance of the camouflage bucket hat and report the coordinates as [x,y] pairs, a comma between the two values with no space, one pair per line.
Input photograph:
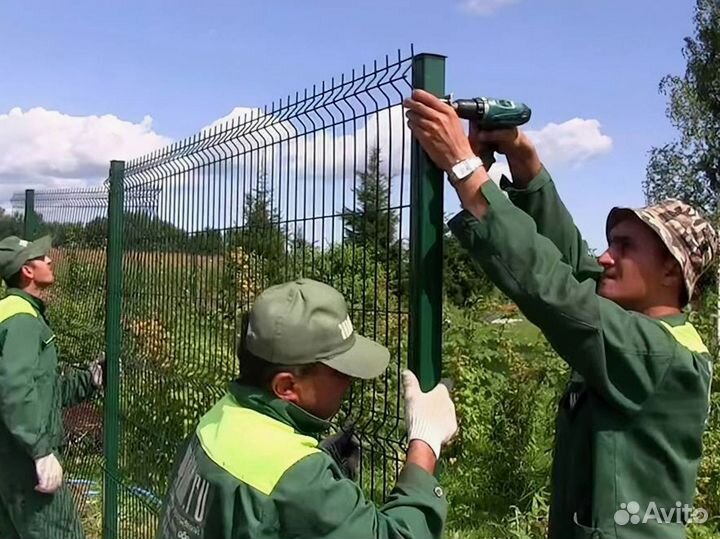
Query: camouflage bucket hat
[687,234]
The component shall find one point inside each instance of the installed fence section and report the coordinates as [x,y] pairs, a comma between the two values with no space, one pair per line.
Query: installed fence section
[319,185]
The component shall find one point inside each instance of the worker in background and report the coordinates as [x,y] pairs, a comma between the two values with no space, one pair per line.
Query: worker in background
[35,502]
[631,422]
[253,467]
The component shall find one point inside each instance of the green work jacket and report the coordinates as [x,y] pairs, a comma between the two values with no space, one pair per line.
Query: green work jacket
[630,424]
[253,470]
[33,391]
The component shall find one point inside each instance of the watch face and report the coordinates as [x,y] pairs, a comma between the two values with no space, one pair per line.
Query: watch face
[465,168]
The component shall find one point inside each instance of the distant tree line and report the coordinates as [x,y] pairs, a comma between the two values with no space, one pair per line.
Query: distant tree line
[370,224]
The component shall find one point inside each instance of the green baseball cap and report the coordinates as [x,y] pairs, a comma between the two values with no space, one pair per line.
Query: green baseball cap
[305,321]
[14,252]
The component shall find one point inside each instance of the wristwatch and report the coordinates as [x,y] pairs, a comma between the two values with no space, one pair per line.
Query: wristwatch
[463,170]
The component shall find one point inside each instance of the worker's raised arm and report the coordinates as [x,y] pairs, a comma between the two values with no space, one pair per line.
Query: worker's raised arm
[621,354]
[533,191]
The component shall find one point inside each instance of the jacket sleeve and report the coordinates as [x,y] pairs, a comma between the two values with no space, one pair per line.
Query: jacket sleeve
[621,354]
[416,508]
[20,408]
[77,386]
[541,201]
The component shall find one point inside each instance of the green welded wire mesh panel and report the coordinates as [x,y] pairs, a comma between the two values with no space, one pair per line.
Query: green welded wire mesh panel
[314,185]
[76,310]
[317,184]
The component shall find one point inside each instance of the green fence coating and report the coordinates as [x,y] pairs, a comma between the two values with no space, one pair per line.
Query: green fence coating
[157,266]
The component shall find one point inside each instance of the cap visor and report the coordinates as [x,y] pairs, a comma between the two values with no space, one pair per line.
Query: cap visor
[366,359]
[38,248]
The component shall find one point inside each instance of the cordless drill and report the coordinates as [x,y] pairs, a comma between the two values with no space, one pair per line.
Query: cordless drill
[488,113]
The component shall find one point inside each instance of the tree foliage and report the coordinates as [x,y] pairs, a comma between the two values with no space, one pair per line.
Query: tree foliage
[10,224]
[464,280]
[688,167]
[372,223]
[261,232]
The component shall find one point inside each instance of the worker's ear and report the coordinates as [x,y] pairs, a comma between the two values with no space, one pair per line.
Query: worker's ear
[27,272]
[284,386]
[672,272]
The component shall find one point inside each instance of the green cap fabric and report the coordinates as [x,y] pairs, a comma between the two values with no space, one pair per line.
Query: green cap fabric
[14,252]
[305,321]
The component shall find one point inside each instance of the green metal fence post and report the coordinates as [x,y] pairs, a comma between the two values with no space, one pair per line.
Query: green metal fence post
[113,335]
[426,240]
[30,218]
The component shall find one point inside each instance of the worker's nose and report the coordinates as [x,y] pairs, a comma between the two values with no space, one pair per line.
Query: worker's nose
[606,259]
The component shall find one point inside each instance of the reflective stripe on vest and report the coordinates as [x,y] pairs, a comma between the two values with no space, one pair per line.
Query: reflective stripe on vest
[12,305]
[250,446]
[688,336]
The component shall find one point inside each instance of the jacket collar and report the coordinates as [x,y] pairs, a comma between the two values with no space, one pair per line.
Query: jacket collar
[278,409]
[37,303]
[675,320]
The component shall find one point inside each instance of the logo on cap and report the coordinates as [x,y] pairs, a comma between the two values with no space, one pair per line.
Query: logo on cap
[346,328]
[24,243]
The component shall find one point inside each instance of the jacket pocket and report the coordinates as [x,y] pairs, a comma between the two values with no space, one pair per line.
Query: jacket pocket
[585,532]
[48,355]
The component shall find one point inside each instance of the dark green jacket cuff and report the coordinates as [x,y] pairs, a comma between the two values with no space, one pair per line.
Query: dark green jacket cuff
[468,227]
[413,479]
[538,182]
[77,387]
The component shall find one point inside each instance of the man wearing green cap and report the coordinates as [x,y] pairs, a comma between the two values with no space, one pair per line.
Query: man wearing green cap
[253,467]
[630,424]
[34,502]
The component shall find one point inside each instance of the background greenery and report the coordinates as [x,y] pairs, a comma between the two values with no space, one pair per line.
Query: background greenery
[184,293]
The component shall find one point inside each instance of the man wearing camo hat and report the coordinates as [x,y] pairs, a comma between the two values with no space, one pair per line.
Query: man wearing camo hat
[631,421]
[34,501]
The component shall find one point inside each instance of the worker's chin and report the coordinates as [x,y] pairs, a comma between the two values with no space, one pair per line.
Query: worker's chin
[609,289]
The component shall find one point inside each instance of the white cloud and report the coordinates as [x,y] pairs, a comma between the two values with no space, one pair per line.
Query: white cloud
[310,161]
[568,143]
[332,155]
[571,142]
[485,7]
[238,114]
[42,148]
[47,149]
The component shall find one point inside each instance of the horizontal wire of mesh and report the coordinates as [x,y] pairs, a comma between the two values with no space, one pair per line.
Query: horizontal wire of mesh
[315,185]
[17,203]
[76,311]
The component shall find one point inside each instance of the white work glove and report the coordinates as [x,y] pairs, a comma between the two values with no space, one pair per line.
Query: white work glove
[49,474]
[430,416]
[97,371]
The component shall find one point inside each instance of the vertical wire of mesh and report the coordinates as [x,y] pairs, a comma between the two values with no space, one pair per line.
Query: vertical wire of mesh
[314,185]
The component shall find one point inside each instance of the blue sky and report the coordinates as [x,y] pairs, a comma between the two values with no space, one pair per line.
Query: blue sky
[185,64]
